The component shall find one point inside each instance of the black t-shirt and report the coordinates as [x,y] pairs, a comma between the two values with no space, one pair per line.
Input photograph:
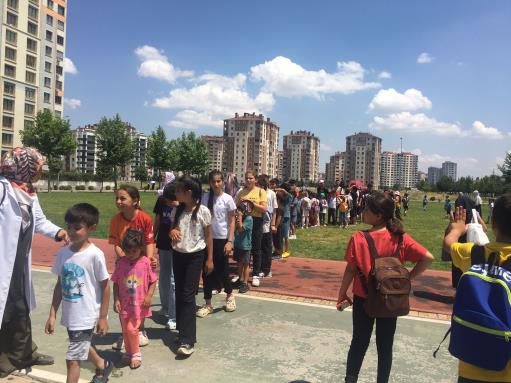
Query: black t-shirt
[162,236]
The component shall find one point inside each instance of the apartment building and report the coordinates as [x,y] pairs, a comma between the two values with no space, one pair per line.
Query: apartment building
[335,169]
[250,142]
[398,169]
[434,175]
[363,158]
[301,156]
[449,169]
[280,172]
[29,76]
[215,146]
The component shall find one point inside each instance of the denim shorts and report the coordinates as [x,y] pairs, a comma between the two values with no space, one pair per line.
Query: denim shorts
[79,344]
[284,228]
[242,256]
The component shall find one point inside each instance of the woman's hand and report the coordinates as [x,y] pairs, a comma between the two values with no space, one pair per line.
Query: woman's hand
[175,234]
[117,306]
[62,236]
[228,248]
[208,268]
[458,224]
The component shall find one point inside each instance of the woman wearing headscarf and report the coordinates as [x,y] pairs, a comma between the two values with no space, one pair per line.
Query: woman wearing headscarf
[20,217]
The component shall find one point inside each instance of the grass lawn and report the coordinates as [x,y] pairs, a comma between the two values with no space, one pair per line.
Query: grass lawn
[427,227]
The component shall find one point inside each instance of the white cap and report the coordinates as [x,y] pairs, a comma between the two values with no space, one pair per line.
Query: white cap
[321,181]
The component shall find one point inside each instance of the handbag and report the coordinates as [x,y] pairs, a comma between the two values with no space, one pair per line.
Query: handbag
[475,232]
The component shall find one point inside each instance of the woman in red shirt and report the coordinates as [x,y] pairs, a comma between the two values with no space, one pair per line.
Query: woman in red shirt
[385,232]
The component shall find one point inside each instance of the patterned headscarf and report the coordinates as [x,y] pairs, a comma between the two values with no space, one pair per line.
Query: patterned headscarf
[22,166]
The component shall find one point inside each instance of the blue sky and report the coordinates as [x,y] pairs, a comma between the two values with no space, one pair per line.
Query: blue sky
[435,73]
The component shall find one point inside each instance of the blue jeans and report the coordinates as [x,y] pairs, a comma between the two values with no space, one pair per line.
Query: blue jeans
[167,286]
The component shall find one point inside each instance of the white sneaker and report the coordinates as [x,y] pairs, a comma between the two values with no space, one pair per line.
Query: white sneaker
[261,275]
[171,324]
[235,279]
[255,281]
[185,350]
[143,340]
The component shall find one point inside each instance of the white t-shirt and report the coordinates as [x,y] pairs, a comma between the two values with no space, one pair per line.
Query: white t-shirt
[80,275]
[222,206]
[193,237]
[271,200]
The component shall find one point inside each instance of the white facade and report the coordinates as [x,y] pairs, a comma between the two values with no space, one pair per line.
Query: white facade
[449,169]
[215,146]
[301,156]
[398,169]
[363,162]
[336,168]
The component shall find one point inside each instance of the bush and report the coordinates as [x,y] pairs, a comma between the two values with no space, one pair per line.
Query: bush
[80,187]
[432,199]
[107,187]
[91,188]
[65,187]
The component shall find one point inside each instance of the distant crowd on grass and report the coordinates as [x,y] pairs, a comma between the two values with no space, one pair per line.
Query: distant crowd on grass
[196,233]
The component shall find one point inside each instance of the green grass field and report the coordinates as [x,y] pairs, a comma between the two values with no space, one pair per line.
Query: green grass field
[427,227]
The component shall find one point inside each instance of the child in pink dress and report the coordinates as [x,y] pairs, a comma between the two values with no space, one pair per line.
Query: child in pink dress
[134,285]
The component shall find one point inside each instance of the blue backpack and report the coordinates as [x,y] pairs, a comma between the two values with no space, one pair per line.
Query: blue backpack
[481,318]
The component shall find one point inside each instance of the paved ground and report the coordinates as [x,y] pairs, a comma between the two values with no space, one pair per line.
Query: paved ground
[302,277]
[263,341]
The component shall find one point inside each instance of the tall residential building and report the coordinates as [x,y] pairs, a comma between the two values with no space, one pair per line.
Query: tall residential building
[335,169]
[250,142]
[301,156]
[280,172]
[86,155]
[363,162]
[449,169]
[399,169]
[215,146]
[31,80]
[434,175]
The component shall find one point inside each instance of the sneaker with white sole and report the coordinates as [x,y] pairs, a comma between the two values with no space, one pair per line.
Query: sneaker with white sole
[235,279]
[185,350]
[230,305]
[255,281]
[118,344]
[171,324]
[267,275]
[204,311]
[143,340]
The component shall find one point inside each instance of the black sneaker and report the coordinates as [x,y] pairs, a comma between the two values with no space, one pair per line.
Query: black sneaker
[243,288]
[237,284]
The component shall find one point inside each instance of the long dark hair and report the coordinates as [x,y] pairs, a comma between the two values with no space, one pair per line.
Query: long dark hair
[380,203]
[133,239]
[211,177]
[188,183]
[133,193]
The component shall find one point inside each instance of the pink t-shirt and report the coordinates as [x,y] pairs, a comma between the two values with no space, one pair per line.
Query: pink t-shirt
[133,279]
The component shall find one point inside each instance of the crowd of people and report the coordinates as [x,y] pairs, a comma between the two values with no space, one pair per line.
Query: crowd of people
[193,235]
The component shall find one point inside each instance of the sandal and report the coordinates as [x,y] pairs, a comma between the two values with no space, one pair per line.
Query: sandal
[230,304]
[136,361]
[102,375]
[204,311]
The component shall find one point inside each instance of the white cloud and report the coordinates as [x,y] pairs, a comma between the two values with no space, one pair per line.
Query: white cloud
[283,77]
[73,103]
[212,99]
[325,147]
[425,58]
[156,65]
[479,130]
[385,75]
[416,123]
[69,66]
[390,100]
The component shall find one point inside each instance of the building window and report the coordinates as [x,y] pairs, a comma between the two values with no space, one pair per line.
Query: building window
[46,97]
[58,85]
[28,123]
[29,109]
[30,77]
[33,12]
[10,54]
[7,121]
[47,82]
[60,40]
[30,94]
[10,70]
[49,36]
[31,45]
[12,19]
[49,4]
[60,25]
[58,100]
[61,10]
[60,55]
[32,28]
[57,114]
[48,51]
[60,69]
[8,105]
[6,139]
[31,61]
[47,67]
[9,88]
[49,20]
[11,36]
[12,4]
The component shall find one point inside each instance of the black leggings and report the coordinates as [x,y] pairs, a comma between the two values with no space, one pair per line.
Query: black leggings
[362,330]
[220,275]
[257,237]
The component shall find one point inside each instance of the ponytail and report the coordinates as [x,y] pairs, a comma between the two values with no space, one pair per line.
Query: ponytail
[380,203]
[395,226]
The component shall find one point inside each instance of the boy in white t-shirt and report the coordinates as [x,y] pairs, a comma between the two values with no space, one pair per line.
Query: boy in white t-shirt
[83,289]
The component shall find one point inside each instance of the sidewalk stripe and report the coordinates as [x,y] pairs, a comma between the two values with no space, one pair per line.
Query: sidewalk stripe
[47,376]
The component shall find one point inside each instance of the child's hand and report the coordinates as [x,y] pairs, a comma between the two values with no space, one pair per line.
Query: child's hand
[117,306]
[154,262]
[208,268]
[458,224]
[147,301]
[102,327]
[49,328]
[175,235]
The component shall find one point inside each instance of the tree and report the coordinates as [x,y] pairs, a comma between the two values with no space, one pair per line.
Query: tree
[160,154]
[141,174]
[505,168]
[55,166]
[51,135]
[104,172]
[115,145]
[423,185]
[445,184]
[192,154]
